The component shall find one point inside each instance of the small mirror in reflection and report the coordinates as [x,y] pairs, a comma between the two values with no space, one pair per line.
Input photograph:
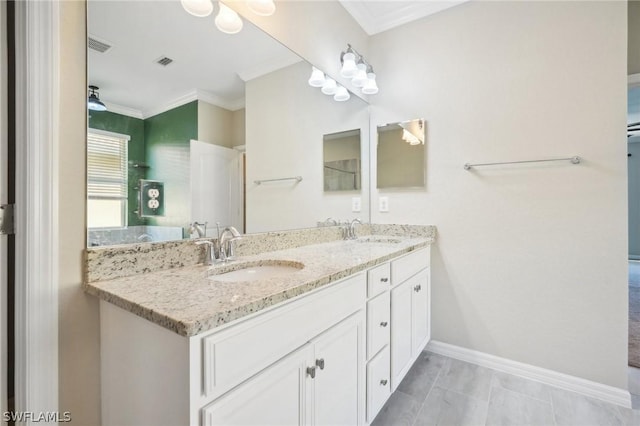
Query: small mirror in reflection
[401,155]
[341,156]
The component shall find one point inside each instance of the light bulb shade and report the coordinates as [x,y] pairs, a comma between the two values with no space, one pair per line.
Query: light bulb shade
[370,86]
[361,76]
[262,7]
[349,67]
[317,78]
[341,94]
[329,87]
[227,20]
[93,101]
[199,8]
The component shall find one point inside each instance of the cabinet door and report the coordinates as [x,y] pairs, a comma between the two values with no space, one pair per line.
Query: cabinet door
[401,324]
[338,387]
[276,396]
[420,311]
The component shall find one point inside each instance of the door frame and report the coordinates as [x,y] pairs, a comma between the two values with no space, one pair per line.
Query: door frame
[36,252]
[4,185]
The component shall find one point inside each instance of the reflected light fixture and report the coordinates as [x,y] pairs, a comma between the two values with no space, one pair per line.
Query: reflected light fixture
[348,59]
[261,7]
[93,102]
[342,94]
[227,20]
[329,87]
[413,132]
[409,137]
[199,8]
[317,78]
[361,75]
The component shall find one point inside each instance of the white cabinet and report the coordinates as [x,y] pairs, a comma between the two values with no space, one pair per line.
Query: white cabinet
[319,384]
[410,312]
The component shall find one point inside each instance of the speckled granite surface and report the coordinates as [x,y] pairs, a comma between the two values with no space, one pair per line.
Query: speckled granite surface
[104,263]
[187,301]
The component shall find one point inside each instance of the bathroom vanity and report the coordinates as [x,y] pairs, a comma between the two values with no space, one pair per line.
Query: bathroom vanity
[325,341]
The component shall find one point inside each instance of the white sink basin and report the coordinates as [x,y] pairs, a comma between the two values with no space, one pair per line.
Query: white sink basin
[253,271]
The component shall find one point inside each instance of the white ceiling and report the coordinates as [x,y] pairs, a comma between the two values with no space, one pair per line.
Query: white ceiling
[375,16]
[207,62]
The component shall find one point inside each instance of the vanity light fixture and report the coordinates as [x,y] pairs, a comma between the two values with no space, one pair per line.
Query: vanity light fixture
[329,87]
[355,67]
[342,94]
[228,21]
[317,78]
[262,7]
[93,102]
[199,8]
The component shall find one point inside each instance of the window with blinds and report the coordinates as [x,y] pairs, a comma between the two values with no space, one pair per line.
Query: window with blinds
[107,179]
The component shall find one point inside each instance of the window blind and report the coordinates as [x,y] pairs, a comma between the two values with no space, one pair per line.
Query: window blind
[107,167]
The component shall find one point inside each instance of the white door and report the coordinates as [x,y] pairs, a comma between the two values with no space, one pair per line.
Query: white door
[216,186]
[401,323]
[3,200]
[339,357]
[276,396]
[420,311]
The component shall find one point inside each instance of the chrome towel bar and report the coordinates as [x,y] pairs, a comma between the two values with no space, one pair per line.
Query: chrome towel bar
[258,182]
[574,160]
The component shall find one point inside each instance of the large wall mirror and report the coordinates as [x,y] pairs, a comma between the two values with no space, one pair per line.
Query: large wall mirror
[401,155]
[202,126]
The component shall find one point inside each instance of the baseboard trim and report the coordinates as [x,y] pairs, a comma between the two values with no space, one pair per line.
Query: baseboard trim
[585,387]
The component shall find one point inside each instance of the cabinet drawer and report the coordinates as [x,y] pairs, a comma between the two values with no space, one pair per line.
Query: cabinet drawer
[378,279]
[378,383]
[237,353]
[378,323]
[410,264]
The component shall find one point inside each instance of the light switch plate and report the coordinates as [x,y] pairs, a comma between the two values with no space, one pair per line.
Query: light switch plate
[383,204]
[356,204]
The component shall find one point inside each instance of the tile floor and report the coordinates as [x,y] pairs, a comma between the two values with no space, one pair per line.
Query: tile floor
[444,391]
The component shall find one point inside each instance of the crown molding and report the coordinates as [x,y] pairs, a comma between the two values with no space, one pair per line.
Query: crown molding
[268,67]
[231,105]
[123,110]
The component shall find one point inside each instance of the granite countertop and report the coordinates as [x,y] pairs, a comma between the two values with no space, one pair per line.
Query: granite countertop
[187,301]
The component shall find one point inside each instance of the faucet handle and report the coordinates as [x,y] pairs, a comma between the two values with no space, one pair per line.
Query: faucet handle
[209,256]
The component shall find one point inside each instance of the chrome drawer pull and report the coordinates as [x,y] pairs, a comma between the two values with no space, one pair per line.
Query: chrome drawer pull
[383,324]
[311,371]
[417,288]
[320,363]
[384,280]
[383,382]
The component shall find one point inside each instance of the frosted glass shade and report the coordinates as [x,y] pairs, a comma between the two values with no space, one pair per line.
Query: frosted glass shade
[227,20]
[329,87]
[199,8]
[317,78]
[360,77]
[370,86]
[349,67]
[341,94]
[262,7]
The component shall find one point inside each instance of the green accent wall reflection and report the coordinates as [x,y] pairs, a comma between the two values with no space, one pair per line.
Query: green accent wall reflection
[134,127]
[167,140]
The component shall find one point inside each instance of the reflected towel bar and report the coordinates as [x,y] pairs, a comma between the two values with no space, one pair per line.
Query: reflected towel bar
[574,160]
[297,178]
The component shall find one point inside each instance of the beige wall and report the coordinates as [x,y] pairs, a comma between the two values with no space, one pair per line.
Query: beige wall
[215,124]
[238,131]
[79,333]
[398,163]
[286,121]
[530,263]
[634,37]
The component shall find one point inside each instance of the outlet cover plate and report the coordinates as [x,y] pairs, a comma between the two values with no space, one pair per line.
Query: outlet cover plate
[383,204]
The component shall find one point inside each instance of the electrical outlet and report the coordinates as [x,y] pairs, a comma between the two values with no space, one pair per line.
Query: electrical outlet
[383,204]
[356,204]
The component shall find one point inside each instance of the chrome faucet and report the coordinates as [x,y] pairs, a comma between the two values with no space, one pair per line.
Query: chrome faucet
[199,228]
[351,231]
[227,239]
[209,256]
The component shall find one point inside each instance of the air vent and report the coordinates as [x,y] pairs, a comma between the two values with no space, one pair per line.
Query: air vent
[164,61]
[97,45]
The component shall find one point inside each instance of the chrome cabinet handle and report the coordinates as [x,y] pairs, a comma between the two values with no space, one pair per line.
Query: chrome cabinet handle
[383,382]
[384,280]
[383,324]
[417,288]
[311,371]
[320,363]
